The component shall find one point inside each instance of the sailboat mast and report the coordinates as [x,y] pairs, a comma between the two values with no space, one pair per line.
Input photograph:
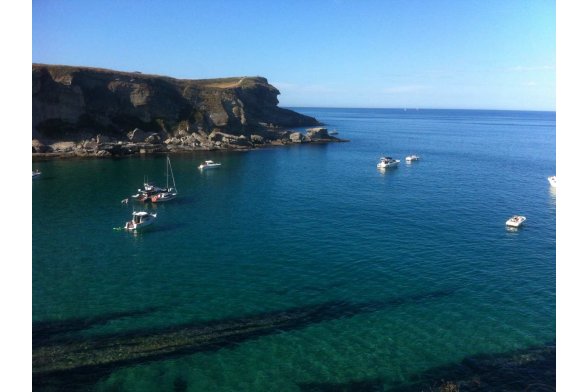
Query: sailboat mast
[167,174]
[172,173]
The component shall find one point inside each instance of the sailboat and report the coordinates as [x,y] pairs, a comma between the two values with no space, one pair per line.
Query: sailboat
[169,193]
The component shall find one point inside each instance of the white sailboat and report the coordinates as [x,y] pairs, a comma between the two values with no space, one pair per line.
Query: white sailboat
[169,193]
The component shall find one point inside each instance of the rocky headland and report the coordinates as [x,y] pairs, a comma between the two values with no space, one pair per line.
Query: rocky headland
[81,111]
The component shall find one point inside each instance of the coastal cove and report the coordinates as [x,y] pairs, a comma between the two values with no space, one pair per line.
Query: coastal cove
[304,267]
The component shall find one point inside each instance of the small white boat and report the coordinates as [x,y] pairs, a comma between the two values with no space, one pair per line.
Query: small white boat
[386,162]
[141,219]
[208,165]
[36,174]
[412,158]
[333,132]
[552,181]
[516,221]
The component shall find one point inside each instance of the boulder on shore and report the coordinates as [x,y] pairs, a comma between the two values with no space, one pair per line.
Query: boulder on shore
[319,133]
[39,147]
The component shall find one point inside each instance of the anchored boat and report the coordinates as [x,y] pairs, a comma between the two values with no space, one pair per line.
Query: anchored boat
[141,219]
[169,193]
[516,221]
[386,162]
[208,165]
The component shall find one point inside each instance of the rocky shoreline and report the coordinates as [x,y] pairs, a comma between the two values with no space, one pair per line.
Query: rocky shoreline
[139,142]
[94,112]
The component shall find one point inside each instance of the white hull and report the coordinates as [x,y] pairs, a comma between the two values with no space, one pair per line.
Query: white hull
[516,221]
[386,165]
[140,221]
[552,181]
[208,165]
[412,158]
[139,226]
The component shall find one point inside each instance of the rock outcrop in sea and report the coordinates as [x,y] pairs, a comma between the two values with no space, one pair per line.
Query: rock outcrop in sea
[98,112]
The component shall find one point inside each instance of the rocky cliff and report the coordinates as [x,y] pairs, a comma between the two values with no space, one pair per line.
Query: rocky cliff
[78,104]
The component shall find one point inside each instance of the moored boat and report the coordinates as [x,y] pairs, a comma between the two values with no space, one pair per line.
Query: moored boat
[168,193]
[151,187]
[208,165]
[412,158]
[143,195]
[552,181]
[140,220]
[386,162]
[36,174]
[516,221]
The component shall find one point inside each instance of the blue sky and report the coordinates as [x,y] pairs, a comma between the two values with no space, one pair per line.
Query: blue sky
[334,53]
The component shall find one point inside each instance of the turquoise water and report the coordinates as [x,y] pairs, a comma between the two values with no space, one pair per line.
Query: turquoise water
[418,257]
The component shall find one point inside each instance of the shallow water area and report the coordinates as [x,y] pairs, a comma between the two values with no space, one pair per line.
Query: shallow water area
[345,273]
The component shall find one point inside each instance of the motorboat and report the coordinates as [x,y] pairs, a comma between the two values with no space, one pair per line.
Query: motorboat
[516,221]
[386,162]
[168,193]
[552,181]
[141,219]
[36,174]
[412,158]
[209,165]
[334,132]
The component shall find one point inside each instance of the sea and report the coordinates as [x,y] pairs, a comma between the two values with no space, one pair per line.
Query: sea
[304,267]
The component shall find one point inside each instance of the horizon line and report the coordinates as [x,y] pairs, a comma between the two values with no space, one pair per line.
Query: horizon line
[417,109]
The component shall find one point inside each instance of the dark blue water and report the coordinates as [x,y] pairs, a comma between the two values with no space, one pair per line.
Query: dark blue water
[418,256]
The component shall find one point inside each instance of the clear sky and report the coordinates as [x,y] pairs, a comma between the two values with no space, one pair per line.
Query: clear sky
[334,53]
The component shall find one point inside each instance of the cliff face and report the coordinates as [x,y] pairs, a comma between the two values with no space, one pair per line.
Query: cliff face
[75,103]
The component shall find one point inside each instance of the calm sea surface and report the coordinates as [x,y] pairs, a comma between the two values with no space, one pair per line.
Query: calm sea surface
[410,269]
